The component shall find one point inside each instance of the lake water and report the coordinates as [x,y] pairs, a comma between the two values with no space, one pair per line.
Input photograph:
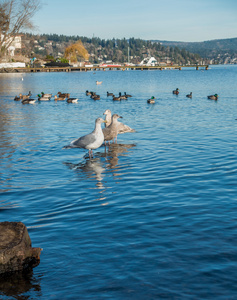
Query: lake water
[154,217]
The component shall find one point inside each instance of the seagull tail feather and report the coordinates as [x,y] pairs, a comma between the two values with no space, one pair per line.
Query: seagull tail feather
[67,147]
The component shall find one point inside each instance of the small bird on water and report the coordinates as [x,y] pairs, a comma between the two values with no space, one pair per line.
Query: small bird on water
[189,95]
[176,92]
[90,141]
[72,100]
[213,97]
[28,101]
[151,100]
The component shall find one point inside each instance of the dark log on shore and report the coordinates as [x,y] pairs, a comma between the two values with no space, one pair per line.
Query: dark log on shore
[16,253]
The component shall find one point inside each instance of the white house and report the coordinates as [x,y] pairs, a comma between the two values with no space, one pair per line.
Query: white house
[15,44]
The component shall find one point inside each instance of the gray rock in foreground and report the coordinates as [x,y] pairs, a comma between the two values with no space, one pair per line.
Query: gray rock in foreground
[16,253]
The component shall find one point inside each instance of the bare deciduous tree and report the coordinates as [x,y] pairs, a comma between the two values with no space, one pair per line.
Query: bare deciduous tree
[15,16]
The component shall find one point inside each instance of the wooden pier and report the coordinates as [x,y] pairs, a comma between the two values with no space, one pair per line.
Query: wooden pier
[98,68]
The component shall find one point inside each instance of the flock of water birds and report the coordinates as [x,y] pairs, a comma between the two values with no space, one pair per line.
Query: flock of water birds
[120,97]
[190,95]
[98,136]
[27,99]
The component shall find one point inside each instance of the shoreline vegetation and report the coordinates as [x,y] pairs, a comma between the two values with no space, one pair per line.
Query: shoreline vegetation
[133,50]
[37,52]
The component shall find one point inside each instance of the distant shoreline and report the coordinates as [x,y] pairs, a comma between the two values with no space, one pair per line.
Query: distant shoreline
[98,68]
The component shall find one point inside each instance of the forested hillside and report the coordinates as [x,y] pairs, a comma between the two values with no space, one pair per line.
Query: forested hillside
[100,50]
[220,51]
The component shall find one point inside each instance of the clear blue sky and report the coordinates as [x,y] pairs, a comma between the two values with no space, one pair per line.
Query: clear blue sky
[171,20]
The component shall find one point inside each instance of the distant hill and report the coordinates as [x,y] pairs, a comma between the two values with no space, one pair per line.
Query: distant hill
[214,49]
[108,51]
[222,51]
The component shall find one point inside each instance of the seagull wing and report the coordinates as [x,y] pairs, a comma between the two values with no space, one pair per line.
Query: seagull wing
[122,128]
[84,141]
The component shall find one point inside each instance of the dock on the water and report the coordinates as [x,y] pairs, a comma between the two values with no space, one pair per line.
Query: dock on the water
[98,68]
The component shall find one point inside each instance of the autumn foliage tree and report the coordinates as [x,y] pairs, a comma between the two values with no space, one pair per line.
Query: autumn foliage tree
[76,51]
[15,16]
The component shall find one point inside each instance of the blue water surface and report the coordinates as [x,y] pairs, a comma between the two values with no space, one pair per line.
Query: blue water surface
[154,216]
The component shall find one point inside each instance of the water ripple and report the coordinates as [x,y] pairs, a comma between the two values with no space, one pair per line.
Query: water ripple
[157,207]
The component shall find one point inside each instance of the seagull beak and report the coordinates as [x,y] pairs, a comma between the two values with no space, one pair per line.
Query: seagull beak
[120,117]
[105,121]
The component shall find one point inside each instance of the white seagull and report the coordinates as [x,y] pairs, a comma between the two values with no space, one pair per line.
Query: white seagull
[90,141]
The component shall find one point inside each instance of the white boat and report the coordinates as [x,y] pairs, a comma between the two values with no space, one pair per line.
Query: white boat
[148,61]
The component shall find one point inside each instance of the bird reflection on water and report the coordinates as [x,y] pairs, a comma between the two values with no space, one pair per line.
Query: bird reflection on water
[95,168]
[113,153]
[91,167]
